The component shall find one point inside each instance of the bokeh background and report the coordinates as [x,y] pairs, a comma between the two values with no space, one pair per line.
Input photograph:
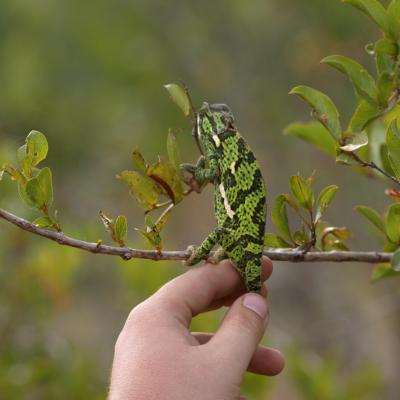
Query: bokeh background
[89,75]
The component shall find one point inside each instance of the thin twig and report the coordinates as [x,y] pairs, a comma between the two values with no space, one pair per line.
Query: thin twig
[128,253]
[371,164]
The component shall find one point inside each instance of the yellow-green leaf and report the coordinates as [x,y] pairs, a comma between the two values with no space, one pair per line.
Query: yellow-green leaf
[362,81]
[280,218]
[314,133]
[142,188]
[373,9]
[373,217]
[39,190]
[120,229]
[179,96]
[393,146]
[173,152]
[324,198]
[393,223]
[383,271]
[139,161]
[302,192]
[364,114]
[44,222]
[276,242]
[396,261]
[355,141]
[323,107]
[164,173]
[37,147]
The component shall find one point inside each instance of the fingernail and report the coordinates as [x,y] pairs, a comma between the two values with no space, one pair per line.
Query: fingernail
[256,303]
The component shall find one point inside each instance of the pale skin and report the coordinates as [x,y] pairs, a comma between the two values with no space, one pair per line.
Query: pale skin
[157,357]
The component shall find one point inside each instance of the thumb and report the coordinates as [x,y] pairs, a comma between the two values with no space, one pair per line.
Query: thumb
[241,331]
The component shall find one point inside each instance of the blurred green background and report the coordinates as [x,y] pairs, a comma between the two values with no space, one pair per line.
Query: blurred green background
[89,75]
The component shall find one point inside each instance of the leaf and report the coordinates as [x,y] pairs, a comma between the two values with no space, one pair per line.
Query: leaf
[163,218]
[164,173]
[280,218]
[395,262]
[382,271]
[179,96]
[393,146]
[139,161]
[39,190]
[302,192]
[345,158]
[173,152]
[324,198]
[314,133]
[364,114]
[15,174]
[142,188]
[362,81]
[1,174]
[325,110]
[393,223]
[372,217]
[393,13]
[151,237]
[37,147]
[373,9]
[384,157]
[355,141]
[342,233]
[275,242]
[43,222]
[386,88]
[331,238]
[120,229]
[24,160]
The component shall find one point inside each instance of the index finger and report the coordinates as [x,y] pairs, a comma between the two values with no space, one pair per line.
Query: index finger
[193,292]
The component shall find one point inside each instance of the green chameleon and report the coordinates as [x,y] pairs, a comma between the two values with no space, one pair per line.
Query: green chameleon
[239,195]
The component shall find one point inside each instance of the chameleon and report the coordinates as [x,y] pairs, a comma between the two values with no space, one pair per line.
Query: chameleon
[239,194]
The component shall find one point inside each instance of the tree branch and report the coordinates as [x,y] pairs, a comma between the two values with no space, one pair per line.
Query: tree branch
[127,253]
[372,165]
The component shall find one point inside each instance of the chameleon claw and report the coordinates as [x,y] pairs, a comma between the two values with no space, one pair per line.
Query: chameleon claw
[217,257]
[191,260]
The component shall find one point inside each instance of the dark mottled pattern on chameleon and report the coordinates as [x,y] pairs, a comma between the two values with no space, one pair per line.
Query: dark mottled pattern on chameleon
[239,195]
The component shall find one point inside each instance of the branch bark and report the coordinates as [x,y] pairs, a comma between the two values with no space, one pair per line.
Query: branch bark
[128,253]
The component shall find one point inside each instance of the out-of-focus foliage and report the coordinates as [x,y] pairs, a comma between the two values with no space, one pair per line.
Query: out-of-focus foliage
[89,75]
[375,99]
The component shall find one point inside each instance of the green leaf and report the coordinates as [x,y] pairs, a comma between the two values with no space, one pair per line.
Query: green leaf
[24,161]
[373,217]
[44,222]
[362,81]
[275,242]
[151,237]
[179,96]
[14,173]
[37,147]
[355,141]
[393,13]
[324,109]
[302,192]
[39,190]
[373,9]
[324,199]
[314,133]
[1,174]
[384,157]
[382,271]
[364,114]
[393,146]
[139,161]
[393,223]
[164,173]
[395,262]
[120,229]
[142,188]
[173,151]
[386,88]
[280,218]
[342,233]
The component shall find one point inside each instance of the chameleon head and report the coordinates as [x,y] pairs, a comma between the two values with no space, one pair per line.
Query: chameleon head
[213,119]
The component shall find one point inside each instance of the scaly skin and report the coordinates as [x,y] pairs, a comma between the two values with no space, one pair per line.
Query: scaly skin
[239,195]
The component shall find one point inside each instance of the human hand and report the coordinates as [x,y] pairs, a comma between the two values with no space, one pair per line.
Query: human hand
[157,357]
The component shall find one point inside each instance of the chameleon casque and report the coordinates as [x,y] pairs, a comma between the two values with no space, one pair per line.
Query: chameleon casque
[239,194]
